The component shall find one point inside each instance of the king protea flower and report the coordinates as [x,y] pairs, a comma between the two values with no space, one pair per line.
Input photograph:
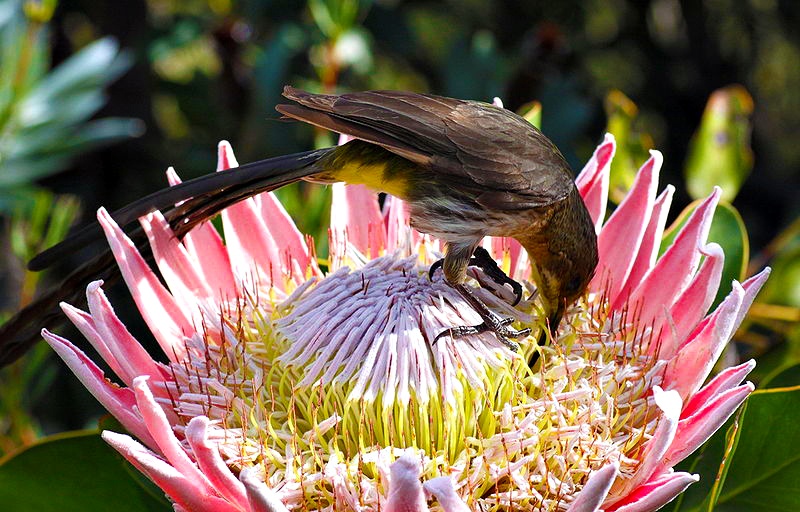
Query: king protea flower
[287,387]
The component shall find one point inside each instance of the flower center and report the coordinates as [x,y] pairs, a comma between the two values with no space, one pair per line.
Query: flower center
[343,376]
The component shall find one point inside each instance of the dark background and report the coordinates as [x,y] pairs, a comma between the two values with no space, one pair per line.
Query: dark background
[667,56]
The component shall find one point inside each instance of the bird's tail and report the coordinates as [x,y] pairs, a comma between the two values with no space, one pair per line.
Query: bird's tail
[216,190]
[184,205]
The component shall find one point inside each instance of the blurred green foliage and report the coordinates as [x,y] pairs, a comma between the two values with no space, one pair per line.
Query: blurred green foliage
[44,123]
[632,144]
[44,115]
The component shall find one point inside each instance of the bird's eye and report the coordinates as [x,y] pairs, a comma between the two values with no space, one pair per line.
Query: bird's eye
[573,286]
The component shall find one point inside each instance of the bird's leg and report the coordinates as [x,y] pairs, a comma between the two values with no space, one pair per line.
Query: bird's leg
[491,322]
[456,259]
[483,260]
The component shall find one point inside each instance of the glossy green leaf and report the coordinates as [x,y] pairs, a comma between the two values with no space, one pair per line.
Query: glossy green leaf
[74,471]
[728,230]
[763,467]
[720,153]
[631,146]
[710,462]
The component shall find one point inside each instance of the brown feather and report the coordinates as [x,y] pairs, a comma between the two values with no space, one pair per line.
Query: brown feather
[485,145]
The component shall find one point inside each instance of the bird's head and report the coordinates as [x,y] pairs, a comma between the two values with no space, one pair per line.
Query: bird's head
[566,263]
[561,283]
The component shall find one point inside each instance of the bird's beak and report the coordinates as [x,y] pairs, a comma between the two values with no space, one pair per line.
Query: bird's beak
[555,316]
[556,309]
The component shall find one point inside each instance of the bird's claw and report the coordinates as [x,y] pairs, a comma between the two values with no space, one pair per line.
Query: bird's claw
[482,259]
[492,322]
[500,328]
[434,267]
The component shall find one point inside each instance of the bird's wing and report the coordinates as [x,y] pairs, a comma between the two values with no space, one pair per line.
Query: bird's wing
[506,161]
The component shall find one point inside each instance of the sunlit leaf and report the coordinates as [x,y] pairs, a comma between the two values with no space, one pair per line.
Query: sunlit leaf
[333,17]
[632,147]
[75,471]
[532,112]
[720,153]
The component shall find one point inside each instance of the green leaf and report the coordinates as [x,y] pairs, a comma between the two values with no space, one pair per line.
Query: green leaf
[38,157]
[720,153]
[90,68]
[74,471]
[710,462]
[765,468]
[333,17]
[728,230]
[762,466]
[778,365]
[787,376]
[43,126]
[24,52]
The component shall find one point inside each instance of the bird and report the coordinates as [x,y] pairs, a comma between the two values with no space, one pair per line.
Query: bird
[467,170]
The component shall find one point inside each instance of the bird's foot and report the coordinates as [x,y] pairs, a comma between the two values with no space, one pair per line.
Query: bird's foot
[491,322]
[500,328]
[483,260]
[434,267]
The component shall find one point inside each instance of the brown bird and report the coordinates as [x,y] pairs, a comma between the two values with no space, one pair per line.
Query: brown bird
[467,169]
